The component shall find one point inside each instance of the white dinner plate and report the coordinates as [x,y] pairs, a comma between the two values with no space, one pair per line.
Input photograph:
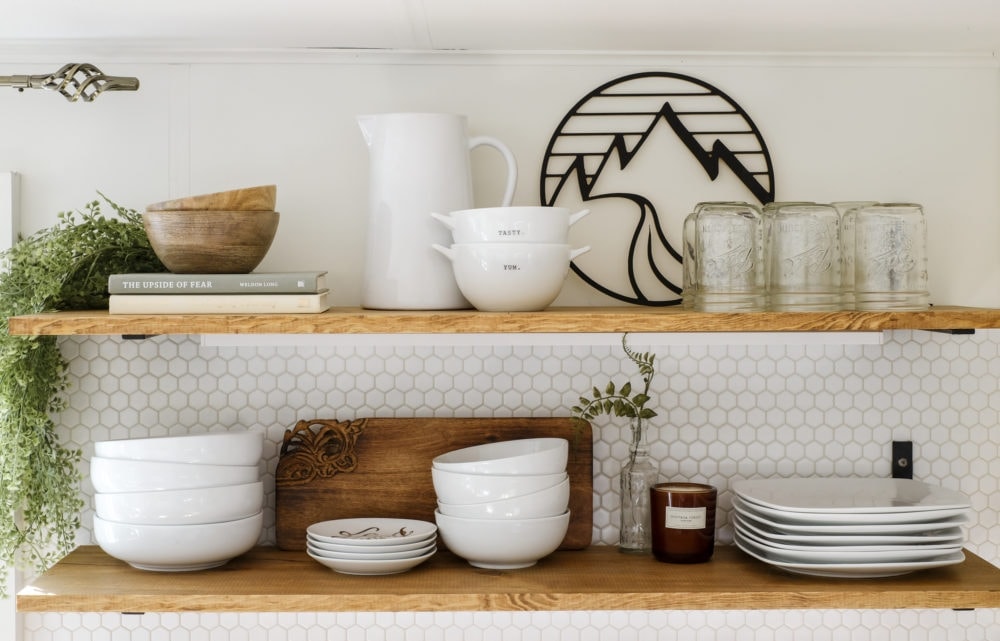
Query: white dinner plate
[850,528]
[841,518]
[948,536]
[372,531]
[850,570]
[374,567]
[841,555]
[849,496]
[369,556]
[368,549]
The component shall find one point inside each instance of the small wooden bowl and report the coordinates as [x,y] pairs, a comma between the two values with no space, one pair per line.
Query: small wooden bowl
[260,198]
[210,242]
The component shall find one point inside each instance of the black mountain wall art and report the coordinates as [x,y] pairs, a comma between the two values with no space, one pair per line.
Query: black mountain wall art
[640,152]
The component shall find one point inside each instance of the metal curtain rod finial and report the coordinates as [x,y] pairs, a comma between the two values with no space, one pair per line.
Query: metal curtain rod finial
[75,81]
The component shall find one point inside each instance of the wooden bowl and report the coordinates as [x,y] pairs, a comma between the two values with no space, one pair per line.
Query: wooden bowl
[260,198]
[210,242]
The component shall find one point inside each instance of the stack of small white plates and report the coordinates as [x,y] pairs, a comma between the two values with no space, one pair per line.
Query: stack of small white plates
[849,527]
[371,546]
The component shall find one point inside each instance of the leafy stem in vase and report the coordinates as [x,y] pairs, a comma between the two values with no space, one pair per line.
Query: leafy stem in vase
[620,401]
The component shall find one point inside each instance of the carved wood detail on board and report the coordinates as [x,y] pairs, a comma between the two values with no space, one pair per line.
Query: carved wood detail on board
[318,449]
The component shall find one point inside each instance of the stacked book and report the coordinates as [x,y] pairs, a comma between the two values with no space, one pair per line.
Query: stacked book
[254,293]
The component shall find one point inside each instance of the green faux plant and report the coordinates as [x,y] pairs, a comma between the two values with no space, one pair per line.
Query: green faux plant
[620,401]
[63,267]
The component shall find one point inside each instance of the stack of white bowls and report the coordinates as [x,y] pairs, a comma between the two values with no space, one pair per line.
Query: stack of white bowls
[178,503]
[510,259]
[371,546]
[503,505]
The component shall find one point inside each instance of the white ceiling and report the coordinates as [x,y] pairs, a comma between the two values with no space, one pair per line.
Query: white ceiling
[935,26]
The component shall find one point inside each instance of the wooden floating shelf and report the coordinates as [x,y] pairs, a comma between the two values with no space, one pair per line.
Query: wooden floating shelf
[354,320]
[597,578]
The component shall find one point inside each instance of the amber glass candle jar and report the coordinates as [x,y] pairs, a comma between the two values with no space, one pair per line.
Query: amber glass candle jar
[683,522]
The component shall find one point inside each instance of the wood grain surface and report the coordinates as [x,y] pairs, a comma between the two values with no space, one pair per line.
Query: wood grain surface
[260,198]
[598,578]
[392,476]
[354,320]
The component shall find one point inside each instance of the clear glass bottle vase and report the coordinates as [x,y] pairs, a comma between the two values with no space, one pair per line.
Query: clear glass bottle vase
[638,474]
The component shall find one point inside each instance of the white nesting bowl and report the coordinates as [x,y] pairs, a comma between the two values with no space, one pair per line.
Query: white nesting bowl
[460,488]
[529,224]
[216,448]
[549,502]
[123,475]
[510,277]
[178,548]
[502,544]
[182,507]
[518,456]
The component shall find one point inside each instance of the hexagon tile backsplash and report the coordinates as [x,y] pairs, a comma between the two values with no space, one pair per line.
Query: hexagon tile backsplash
[725,412]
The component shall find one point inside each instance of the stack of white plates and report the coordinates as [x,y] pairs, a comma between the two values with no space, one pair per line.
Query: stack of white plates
[371,546]
[849,527]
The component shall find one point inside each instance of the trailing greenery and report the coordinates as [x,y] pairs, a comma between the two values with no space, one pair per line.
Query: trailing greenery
[615,401]
[60,268]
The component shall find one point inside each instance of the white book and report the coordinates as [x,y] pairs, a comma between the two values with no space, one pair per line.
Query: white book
[219,303]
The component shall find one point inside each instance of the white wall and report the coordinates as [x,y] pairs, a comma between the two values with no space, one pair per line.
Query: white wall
[907,128]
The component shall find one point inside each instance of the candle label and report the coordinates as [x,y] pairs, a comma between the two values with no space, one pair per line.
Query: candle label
[686,518]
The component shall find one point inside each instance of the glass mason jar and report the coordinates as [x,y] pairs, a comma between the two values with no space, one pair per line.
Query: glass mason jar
[890,265]
[723,268]
[802,256]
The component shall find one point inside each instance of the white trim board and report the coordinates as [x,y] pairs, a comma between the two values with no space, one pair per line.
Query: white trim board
[9,200]
[10,620]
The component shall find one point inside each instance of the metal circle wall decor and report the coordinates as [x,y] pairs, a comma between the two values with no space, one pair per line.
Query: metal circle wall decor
[685,132]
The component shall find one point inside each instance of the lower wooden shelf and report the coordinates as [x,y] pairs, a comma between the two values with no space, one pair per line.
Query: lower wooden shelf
[597,578]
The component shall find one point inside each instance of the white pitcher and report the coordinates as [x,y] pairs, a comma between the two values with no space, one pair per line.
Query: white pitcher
[419,163]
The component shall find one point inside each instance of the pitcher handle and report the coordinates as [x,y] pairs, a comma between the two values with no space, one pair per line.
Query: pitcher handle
[508,194]
[444,220]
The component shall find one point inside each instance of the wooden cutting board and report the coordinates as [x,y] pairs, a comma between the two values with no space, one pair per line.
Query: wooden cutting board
[382,467]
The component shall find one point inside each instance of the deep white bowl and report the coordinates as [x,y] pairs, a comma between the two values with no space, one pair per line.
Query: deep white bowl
[510,277]
[215,448]
[529,224]
[460,488]
[123,475]
[502,544]
[518,456]
[548,502]
[182,507]
[178,548]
